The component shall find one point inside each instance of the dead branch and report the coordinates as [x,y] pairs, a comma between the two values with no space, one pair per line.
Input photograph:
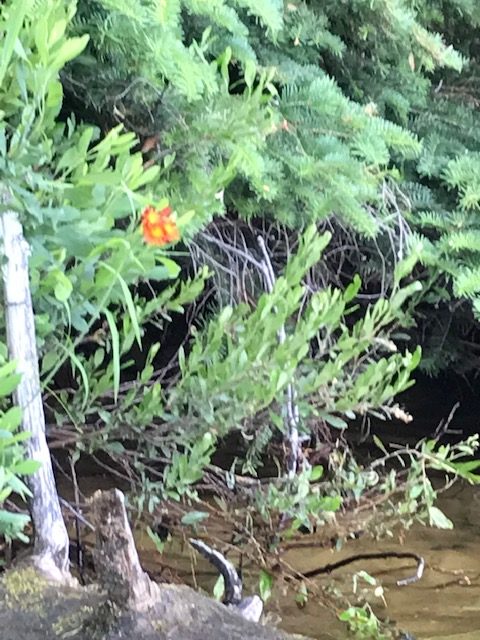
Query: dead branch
[328,568]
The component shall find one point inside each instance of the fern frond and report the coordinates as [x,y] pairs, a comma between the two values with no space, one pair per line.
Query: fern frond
[270,12]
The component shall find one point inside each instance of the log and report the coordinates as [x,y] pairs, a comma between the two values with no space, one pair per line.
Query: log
[125,603]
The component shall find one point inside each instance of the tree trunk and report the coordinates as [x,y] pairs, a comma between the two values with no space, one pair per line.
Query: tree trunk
[51,538]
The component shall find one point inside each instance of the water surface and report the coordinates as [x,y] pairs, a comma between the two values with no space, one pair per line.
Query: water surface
[444,605]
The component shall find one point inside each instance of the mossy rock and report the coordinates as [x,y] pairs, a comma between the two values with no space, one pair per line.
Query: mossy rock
[33,609]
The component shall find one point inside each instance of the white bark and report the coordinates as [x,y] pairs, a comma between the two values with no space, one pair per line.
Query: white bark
[291,412]
[51,538]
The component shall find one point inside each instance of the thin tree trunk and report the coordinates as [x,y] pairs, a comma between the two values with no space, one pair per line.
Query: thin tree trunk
[291,413]
[51,538]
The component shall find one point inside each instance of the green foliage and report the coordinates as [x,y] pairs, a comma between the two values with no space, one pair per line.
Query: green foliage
[237,369]
[302,502]
[305,113]
[418,495]
[413,77]
[153,45]
[301,115]
[187,469]
[13,464]
[271,125]
[235,377]
[363,622]
[79,194]
[59,176]
[265,584]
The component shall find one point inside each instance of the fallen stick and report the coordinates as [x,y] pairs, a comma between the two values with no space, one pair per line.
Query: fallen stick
[328,568]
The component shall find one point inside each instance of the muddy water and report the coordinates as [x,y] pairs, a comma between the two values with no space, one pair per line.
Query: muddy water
[445,604]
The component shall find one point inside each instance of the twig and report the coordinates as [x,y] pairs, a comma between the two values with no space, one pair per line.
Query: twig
[77,514]
[443,427]
[328,568]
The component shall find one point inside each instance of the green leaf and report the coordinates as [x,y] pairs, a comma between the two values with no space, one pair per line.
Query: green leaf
[19,486]
[159,544]
[330,503]
[14,25]
[57,32]
[316,473]
[11,419]
[335,421]
[194,517]
[265,584]
[40,34]
[8,384]
[168,160]
[380,444]
[76,363]
[439,519]
[26,467]
[367,578]
[283,380]
[12,525]
[219,588]
[171,265]
[68,51]
[63,287]
[249,73]
[115,448]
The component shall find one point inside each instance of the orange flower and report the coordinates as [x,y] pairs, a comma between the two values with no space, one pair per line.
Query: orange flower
[158,226]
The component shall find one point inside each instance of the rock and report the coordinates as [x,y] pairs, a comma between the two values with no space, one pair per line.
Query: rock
[33,609]
[124,605]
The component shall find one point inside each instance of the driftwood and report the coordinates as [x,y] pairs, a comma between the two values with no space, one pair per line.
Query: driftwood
[117,565]
[125,603]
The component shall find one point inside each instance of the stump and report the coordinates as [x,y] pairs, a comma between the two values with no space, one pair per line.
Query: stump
[124,604]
